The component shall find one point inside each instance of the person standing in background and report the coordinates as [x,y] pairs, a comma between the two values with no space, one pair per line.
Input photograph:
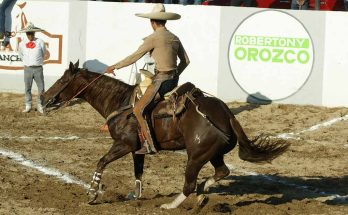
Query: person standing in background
[345,2]
[300,4]
[32,51]
[245,3]
[3,34]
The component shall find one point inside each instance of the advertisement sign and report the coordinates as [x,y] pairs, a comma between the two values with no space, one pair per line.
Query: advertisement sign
[271,55]
[9,57]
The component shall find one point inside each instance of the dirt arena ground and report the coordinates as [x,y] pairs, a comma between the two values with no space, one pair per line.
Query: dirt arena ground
[311,178]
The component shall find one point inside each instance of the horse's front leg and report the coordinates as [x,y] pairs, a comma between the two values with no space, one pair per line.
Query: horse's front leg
[138,173]
[117,151]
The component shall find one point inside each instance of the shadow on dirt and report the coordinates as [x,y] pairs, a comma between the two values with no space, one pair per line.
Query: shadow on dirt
[252,103]
[120,197]
[290,188]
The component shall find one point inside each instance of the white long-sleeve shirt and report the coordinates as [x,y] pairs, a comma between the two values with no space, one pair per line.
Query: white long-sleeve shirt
[32,56]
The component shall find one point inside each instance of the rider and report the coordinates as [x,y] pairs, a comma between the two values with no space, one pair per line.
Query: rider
[165,48]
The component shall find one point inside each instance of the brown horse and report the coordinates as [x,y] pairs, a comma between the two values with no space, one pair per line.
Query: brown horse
[206,128]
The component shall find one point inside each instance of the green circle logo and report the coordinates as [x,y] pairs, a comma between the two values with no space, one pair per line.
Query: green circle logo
[271,55]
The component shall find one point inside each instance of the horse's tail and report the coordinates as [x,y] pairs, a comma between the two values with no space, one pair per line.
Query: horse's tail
[261,149]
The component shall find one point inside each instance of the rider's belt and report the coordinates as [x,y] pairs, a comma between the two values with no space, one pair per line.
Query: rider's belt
[164,75]
[34,66]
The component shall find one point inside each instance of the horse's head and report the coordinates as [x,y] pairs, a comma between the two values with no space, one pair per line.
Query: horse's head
[61,91]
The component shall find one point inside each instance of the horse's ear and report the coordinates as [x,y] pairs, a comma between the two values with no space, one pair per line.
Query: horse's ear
[71,66]
[76,65]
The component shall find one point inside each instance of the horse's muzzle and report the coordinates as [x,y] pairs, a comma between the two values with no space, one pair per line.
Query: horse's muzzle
[49,102]
[51,105]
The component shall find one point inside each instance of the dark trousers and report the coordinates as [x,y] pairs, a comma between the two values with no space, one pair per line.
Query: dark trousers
[3,6]
[246,3]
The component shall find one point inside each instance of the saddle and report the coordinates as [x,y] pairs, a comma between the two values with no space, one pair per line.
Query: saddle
[172,105]
[175,101]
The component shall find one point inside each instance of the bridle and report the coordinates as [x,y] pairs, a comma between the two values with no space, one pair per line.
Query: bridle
[79,92]
[66,103]
[53,99]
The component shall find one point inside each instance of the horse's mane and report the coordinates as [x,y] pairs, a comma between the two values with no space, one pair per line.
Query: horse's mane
[106,80]
[110,92]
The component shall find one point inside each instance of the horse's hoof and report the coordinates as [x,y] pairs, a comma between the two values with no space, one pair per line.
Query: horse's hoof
[92,195]
[92,202]
[202,200]
[167,206]
[131,196]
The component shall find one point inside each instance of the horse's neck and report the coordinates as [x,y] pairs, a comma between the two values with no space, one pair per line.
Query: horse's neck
[106,94]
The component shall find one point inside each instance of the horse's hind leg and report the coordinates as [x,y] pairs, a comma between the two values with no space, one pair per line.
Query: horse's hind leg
[221,171]
[192,169]
[117,151]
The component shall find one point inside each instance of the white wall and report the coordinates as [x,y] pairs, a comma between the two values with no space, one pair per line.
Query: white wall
[122,32]
[335,71]
[102,33]
[51,16]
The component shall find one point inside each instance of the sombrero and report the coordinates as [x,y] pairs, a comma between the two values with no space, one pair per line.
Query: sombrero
[159,13]
[30,28]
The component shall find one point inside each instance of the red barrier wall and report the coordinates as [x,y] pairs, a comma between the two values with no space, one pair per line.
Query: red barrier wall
[285,4]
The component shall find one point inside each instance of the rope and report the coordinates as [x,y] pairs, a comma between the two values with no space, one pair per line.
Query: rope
[78,93]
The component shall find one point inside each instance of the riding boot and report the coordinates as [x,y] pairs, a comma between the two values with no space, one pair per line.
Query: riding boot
[148,146]
[141,110]
[145,149]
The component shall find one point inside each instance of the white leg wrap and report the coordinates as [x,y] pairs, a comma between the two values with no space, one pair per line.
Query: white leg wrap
[138,188]
[94,182]
[202,200]
[96,176]
[208,183]
[178,200]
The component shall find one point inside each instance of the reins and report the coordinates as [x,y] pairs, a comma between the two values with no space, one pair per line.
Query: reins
[58,92]
[78,93]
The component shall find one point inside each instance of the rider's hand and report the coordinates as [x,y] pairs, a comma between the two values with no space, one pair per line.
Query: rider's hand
[110,69]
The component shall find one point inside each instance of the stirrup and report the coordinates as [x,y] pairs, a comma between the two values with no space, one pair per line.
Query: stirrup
[145,149]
